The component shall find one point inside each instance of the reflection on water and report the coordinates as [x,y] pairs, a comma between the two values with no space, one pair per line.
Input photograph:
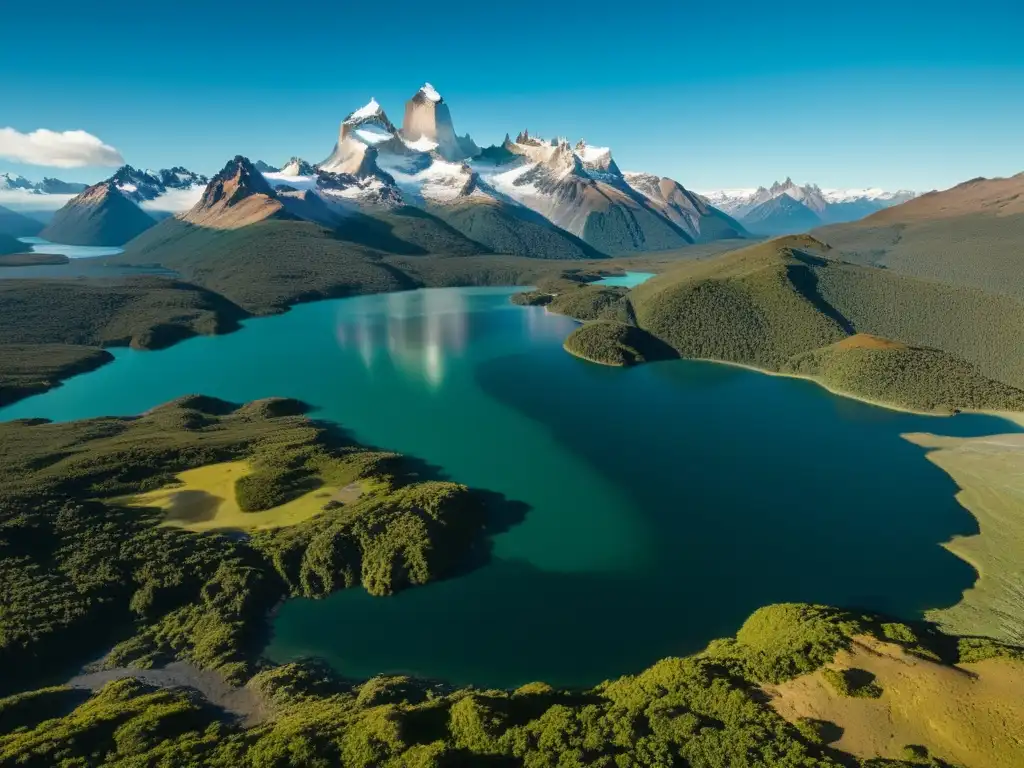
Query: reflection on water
[420,332]
[423,333]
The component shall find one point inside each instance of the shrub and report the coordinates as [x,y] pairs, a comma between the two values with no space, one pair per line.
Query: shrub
[857,683]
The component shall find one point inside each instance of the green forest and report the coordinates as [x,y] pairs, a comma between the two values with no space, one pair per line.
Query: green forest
[83,576]
[788,306]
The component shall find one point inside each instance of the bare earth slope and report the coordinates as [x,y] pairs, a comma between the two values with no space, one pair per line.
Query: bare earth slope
[990,473]
[970,715]
[970,235]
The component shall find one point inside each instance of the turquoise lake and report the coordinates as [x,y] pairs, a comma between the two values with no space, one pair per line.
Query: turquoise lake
[627,280]
[664,503]
[39,245]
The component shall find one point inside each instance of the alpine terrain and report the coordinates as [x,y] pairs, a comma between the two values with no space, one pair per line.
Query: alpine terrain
[790,208]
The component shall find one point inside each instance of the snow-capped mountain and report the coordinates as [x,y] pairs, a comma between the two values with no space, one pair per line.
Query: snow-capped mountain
[121,207]
[576,193]
[160,193]
[48,186]
[296,166]
[827,206]
[532,196]
[14,181]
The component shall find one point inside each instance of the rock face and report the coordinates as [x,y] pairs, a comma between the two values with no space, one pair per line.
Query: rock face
[364,130]
[687,210]
[236,197]
[101,215]
[429,121]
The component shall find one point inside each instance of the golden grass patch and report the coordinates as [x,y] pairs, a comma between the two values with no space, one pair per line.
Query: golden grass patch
[990,473]
[971,715]
[204,500]
[867,341]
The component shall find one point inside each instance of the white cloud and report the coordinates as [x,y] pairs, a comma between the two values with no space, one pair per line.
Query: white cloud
[70,149]
[175,200]
[27,200]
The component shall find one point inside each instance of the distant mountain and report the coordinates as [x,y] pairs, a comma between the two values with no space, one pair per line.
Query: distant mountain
[428,126]
[160,193]
[262,167]
[970,235]
[295,167]
[15,224]
[14,181]
[124,205]
[48,186]
[779,216]
[825,205]
[143,186]
[101,215]
[10,244]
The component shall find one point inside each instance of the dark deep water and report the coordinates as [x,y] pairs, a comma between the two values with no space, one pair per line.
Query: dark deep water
[666,502]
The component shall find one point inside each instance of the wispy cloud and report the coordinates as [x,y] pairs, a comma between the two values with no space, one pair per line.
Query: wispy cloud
[27,200]
[68,149]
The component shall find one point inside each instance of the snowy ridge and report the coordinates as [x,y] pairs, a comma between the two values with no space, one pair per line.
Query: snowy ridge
[824,206]
[371,109]
[430,92]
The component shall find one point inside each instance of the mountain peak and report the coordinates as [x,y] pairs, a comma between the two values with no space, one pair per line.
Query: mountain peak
[236,196]
[371,109]
[428,119]
[237,179]
[296,166]
[431,93]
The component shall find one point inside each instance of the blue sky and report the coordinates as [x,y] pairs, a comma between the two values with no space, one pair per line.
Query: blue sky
[713,94]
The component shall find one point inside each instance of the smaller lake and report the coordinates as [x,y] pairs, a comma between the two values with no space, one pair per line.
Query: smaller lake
[628,280]
[83,262]
[39,245]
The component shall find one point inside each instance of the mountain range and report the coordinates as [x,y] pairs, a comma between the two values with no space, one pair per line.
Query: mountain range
[48,186]
[528,197]
[787,208]
[124,206]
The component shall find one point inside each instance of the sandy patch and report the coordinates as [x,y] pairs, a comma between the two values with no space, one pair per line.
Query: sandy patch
[972,716]
[867,341]
[990,473]
[241,702]
[204,500]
